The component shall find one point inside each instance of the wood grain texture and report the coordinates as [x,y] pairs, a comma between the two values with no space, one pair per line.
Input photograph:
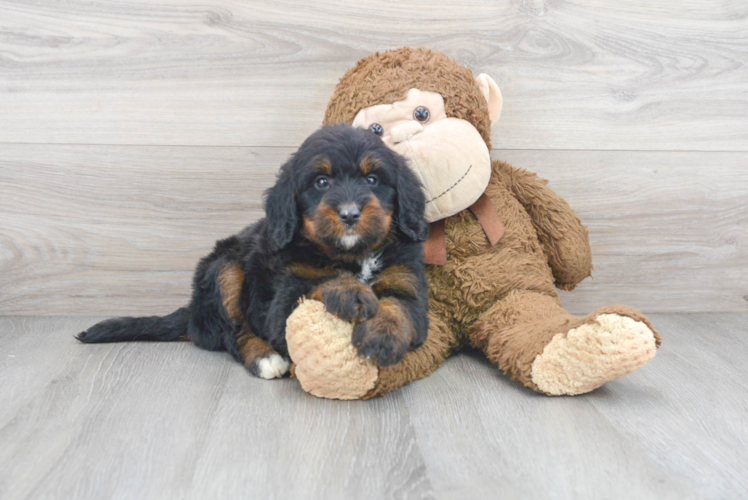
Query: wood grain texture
[666,75]
[674,429]
[128,224]
[119,229]
[172,421]
[149,420]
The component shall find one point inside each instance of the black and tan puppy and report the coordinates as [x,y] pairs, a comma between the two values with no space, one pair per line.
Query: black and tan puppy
[343,225]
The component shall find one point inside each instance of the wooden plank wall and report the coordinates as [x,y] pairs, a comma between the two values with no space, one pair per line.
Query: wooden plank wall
[134,133]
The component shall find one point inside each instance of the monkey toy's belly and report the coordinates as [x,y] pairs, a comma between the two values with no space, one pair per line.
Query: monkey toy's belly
[478,275]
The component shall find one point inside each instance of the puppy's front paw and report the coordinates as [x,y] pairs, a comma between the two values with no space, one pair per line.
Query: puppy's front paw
[380,341]
[348,299]
[387,337]
[269,366]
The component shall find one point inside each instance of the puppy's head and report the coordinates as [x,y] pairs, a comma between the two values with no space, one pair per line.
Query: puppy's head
[345,191]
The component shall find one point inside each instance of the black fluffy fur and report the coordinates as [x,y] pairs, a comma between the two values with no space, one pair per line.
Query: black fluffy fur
[266,250]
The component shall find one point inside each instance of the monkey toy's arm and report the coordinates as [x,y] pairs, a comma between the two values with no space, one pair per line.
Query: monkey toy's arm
[564,238]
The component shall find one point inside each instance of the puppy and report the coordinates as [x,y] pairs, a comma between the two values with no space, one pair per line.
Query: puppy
[343,225]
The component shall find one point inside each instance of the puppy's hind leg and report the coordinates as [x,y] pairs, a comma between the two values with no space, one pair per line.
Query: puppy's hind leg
[259,358]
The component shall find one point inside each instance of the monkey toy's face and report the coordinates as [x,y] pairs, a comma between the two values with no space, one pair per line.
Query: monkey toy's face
[447,154]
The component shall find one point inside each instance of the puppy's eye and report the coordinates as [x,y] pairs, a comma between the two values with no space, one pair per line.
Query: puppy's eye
[421,114]
[372,180]
[376,128]
[322,182]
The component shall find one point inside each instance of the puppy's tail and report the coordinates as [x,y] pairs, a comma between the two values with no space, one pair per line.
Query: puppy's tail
[158,328]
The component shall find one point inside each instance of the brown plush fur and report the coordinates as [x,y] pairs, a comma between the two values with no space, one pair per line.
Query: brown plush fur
[516,330]
[501,299]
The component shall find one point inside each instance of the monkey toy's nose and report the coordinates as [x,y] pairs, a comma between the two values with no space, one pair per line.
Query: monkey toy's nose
[405,131]
[349,214]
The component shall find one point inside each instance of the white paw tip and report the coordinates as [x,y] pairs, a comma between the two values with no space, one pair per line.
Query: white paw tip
[272,366]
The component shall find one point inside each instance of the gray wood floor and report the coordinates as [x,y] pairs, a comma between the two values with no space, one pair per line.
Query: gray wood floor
[171,421]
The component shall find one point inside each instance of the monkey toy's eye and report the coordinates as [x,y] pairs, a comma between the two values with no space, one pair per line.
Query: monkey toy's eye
[421,114]
[322,182]
[372,180]
[376,128]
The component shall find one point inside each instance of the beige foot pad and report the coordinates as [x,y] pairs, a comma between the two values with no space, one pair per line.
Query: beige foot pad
[327,364]
[592,354]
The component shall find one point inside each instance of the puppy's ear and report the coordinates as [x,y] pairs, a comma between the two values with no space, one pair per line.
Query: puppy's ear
[280,209]
[411,203]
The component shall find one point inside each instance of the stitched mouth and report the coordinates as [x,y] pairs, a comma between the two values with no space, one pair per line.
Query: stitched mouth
[452,186]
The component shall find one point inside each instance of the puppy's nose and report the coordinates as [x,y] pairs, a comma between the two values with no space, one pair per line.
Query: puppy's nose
[349,214]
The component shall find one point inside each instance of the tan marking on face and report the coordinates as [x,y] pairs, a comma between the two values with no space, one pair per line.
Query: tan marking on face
[368,165]
[328,222]
[374,219]
[303,270]
[323,224]
[230,281]
[325,227]
[310,231]
[323,166]
[397,279]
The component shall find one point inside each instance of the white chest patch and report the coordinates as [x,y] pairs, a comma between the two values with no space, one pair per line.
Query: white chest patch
[370,266]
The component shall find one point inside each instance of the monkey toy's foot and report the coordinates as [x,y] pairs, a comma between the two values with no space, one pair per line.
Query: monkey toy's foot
[606,347]
[325,361]
[328,365]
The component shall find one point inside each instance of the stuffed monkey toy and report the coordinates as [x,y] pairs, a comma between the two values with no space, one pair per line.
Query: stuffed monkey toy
[500,243]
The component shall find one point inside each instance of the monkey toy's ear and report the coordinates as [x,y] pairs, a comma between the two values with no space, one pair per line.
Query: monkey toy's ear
[280,209]
[491,92]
